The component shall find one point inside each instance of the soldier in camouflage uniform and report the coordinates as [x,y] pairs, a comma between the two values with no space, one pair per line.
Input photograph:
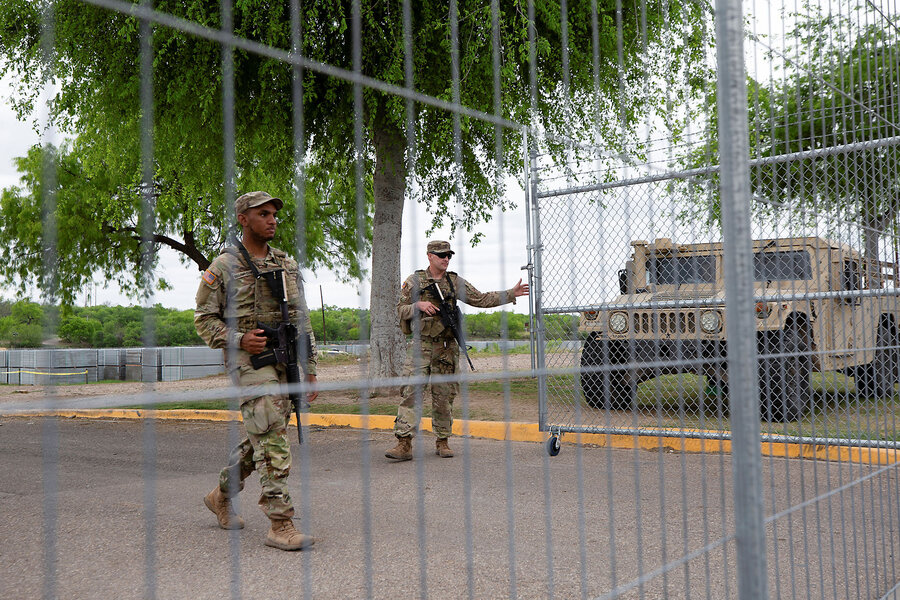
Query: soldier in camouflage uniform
[419,311]
[231,295]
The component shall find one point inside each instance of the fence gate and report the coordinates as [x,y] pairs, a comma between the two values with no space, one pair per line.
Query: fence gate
[744,301]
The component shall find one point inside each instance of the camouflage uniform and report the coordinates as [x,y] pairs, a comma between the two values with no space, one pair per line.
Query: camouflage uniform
[439,350]
[265,447]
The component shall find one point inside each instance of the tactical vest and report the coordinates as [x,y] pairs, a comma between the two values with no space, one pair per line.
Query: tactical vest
[432,326]
[251,298]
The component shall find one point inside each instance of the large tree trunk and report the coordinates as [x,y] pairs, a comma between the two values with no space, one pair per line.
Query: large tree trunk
[873,226]
[387,349]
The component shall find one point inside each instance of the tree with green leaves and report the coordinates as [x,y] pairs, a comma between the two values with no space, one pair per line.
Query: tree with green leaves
[454,160]
[78,330]
[24,327]
[95,178]
[819,131]
[843,92]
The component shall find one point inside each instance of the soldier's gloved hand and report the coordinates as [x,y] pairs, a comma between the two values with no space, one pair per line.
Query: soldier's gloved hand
[427,307]
[254,341]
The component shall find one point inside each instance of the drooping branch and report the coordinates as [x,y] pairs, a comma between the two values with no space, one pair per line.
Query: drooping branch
[188,247]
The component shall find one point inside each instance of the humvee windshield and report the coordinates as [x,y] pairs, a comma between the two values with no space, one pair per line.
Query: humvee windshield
[782,266]
[678,270]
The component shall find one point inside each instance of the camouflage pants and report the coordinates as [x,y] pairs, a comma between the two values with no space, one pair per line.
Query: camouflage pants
[437,358]
[265,448]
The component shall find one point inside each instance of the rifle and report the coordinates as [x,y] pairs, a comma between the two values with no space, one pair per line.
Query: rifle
[282,340]
[450,317]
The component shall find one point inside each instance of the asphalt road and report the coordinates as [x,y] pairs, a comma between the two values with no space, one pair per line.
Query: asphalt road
[74,495]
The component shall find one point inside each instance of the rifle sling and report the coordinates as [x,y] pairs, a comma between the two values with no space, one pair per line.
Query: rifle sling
[246,255]
[452,290]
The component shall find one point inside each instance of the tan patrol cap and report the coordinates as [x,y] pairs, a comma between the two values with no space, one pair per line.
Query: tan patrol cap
[439,246]
[254,199]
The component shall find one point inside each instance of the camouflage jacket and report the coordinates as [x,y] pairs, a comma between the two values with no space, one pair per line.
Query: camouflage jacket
[414,289]
[251,301]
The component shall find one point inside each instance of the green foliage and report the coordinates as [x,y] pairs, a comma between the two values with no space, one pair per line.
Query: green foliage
[27,313]
[97,326]
[118,326]
[838,86]
[621,94]
[78,330]
[23,325]
[341,324]
[23,335]
[95,67]
[176,328]
[490,326]
[96,184]
[562,324]
[844,90]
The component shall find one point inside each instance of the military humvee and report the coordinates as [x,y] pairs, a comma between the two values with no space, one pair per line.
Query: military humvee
[817,308]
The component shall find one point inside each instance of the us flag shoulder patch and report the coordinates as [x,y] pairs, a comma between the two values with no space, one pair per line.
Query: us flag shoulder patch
[209,277]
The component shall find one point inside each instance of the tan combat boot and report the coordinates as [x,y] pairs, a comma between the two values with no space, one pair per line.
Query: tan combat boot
[442,449]
[402,451]
[284,535]
[221,507]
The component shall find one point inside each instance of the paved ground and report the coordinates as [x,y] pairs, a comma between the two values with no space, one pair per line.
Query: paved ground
[74,495]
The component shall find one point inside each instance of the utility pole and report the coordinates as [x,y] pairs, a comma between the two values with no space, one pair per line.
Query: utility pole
[322,300]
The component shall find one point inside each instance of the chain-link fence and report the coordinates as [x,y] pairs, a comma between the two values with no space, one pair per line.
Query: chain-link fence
[712,198]
[642,308]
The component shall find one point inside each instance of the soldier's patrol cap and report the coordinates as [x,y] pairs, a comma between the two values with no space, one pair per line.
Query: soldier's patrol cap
[439,246]
[254,199]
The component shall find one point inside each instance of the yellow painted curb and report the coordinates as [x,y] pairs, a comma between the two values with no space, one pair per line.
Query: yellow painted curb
[522,432]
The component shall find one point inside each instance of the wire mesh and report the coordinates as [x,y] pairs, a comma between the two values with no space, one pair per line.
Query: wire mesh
[639,326]
[712,225]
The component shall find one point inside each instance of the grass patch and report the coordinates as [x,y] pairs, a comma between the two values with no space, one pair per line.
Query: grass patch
[352,409]
[337,359]
[519,387]
[837,411]
[197,405]
[494,350]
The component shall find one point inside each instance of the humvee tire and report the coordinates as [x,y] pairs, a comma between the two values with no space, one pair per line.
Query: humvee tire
[877,379]
[612,390]
[785,393]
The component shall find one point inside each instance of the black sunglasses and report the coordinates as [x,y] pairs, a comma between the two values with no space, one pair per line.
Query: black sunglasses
[443,254]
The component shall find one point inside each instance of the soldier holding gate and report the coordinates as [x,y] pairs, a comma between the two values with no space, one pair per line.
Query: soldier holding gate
[418,308]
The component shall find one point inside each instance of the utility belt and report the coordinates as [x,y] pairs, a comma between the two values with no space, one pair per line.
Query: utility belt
[444,338]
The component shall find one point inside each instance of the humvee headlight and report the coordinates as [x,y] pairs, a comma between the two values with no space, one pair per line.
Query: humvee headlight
[618,322]
[710,321]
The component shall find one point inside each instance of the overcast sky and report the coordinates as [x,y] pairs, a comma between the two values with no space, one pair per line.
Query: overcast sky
[487,266]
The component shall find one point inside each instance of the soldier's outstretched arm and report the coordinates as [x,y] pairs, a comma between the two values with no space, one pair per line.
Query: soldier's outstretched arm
[469,294]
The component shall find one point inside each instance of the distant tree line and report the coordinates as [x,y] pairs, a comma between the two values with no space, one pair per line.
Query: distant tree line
[26,324]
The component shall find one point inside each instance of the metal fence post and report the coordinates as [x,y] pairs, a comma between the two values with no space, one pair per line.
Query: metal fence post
[734,154]
[537,293]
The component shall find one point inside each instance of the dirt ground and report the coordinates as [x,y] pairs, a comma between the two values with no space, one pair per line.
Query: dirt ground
[485,401]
